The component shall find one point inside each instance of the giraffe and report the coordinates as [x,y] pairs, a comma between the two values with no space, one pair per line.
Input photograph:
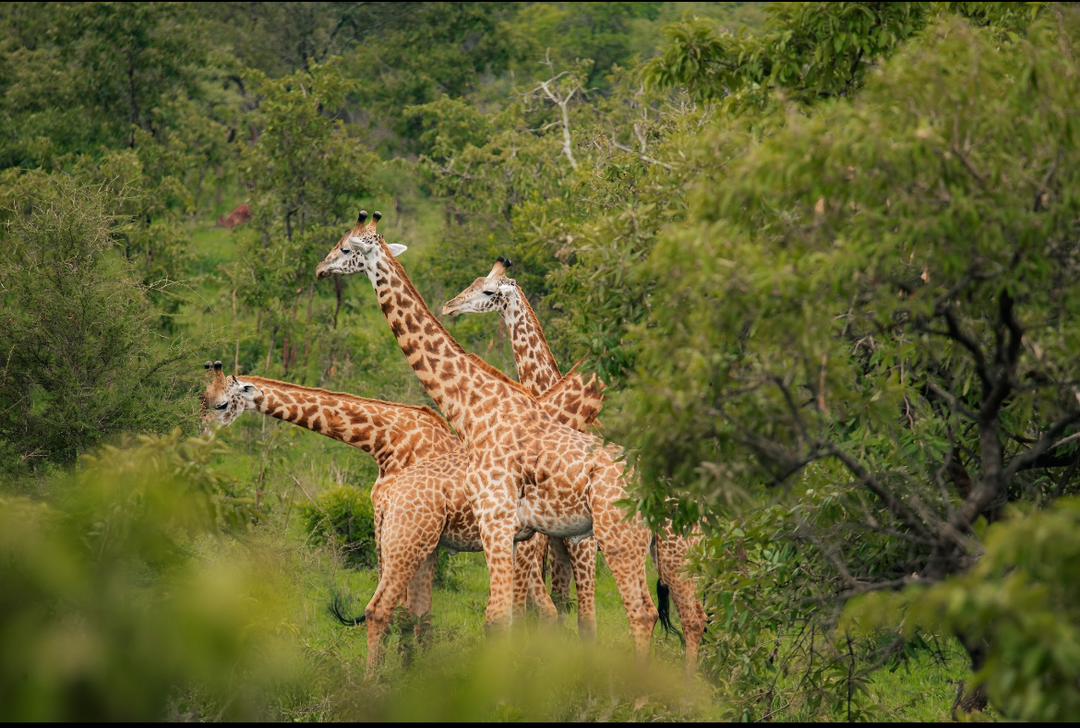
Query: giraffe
[419,499]
[525,468]
[537,369]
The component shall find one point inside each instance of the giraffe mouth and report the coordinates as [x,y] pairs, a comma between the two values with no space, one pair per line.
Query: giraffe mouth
[323,271]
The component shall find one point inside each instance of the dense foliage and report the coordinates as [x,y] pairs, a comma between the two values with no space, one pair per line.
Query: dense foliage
[824,254]
[343,516]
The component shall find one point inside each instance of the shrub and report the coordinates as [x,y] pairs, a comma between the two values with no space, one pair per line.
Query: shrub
[80,359]
[107,614]
[343,516]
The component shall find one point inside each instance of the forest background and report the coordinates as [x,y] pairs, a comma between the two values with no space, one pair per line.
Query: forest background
[824,255]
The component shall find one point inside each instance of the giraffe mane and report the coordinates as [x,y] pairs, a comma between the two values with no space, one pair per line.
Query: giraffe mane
[483,365]
[536,321]
[591,392]
[422,409]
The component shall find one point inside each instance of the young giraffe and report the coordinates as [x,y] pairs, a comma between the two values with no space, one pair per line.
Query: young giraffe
[537,369]
[419,497]
[524,467]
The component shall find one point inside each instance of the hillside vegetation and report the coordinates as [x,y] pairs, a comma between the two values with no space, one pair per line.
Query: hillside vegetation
[825,256]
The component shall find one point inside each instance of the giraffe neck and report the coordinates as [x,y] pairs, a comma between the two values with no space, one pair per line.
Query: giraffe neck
[396,435]
[452,378]
[537,369]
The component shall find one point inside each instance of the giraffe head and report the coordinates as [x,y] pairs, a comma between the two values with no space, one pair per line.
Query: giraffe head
[225,398]
[490,293]
[359,250]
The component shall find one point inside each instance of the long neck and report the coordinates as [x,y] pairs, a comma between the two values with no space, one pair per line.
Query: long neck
[396,435]
[537,369]
[457,382]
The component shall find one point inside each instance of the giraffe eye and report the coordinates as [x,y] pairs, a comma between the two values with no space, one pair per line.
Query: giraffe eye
[346,251]
[489,293]
[221,406]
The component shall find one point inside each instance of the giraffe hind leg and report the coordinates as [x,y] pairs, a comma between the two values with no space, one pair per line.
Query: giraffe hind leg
[671,554]
[625,543]
[421,608]
[407,543]
[562,571]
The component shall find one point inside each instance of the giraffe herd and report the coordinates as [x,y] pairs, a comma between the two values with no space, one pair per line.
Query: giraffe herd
[513,471]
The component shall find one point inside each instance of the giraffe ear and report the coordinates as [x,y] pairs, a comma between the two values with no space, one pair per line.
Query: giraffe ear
[397,249]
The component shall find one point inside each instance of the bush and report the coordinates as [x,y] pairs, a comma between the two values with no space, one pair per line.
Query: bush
[343,516]
[1020,601]
[80,361]
[106,614]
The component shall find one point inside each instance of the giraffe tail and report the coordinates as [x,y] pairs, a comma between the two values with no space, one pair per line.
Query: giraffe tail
[663,610]
[663,593]
[337,611]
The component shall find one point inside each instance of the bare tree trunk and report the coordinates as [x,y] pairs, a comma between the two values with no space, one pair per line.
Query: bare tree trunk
[133,101]
[236,350]
[339,293]
[270,348]
[563,102]
[305,355]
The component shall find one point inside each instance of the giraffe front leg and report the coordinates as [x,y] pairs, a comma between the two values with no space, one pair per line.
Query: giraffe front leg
[524,555]
[497,529]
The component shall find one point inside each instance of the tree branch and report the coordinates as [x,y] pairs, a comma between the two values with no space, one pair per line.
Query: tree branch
[641,155]
[897,507]
[1049,441]
[562,101]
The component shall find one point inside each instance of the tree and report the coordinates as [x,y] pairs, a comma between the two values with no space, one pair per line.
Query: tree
[881,301]
[305,175]
[81,361]
[1020,599]
[94,76]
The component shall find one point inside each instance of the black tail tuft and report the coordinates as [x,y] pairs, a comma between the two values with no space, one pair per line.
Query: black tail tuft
[663,609]
[338,612]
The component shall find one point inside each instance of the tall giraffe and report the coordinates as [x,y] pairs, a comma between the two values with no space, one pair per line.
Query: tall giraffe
[537,368]
[419,497]
[525,467]
[537,371]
